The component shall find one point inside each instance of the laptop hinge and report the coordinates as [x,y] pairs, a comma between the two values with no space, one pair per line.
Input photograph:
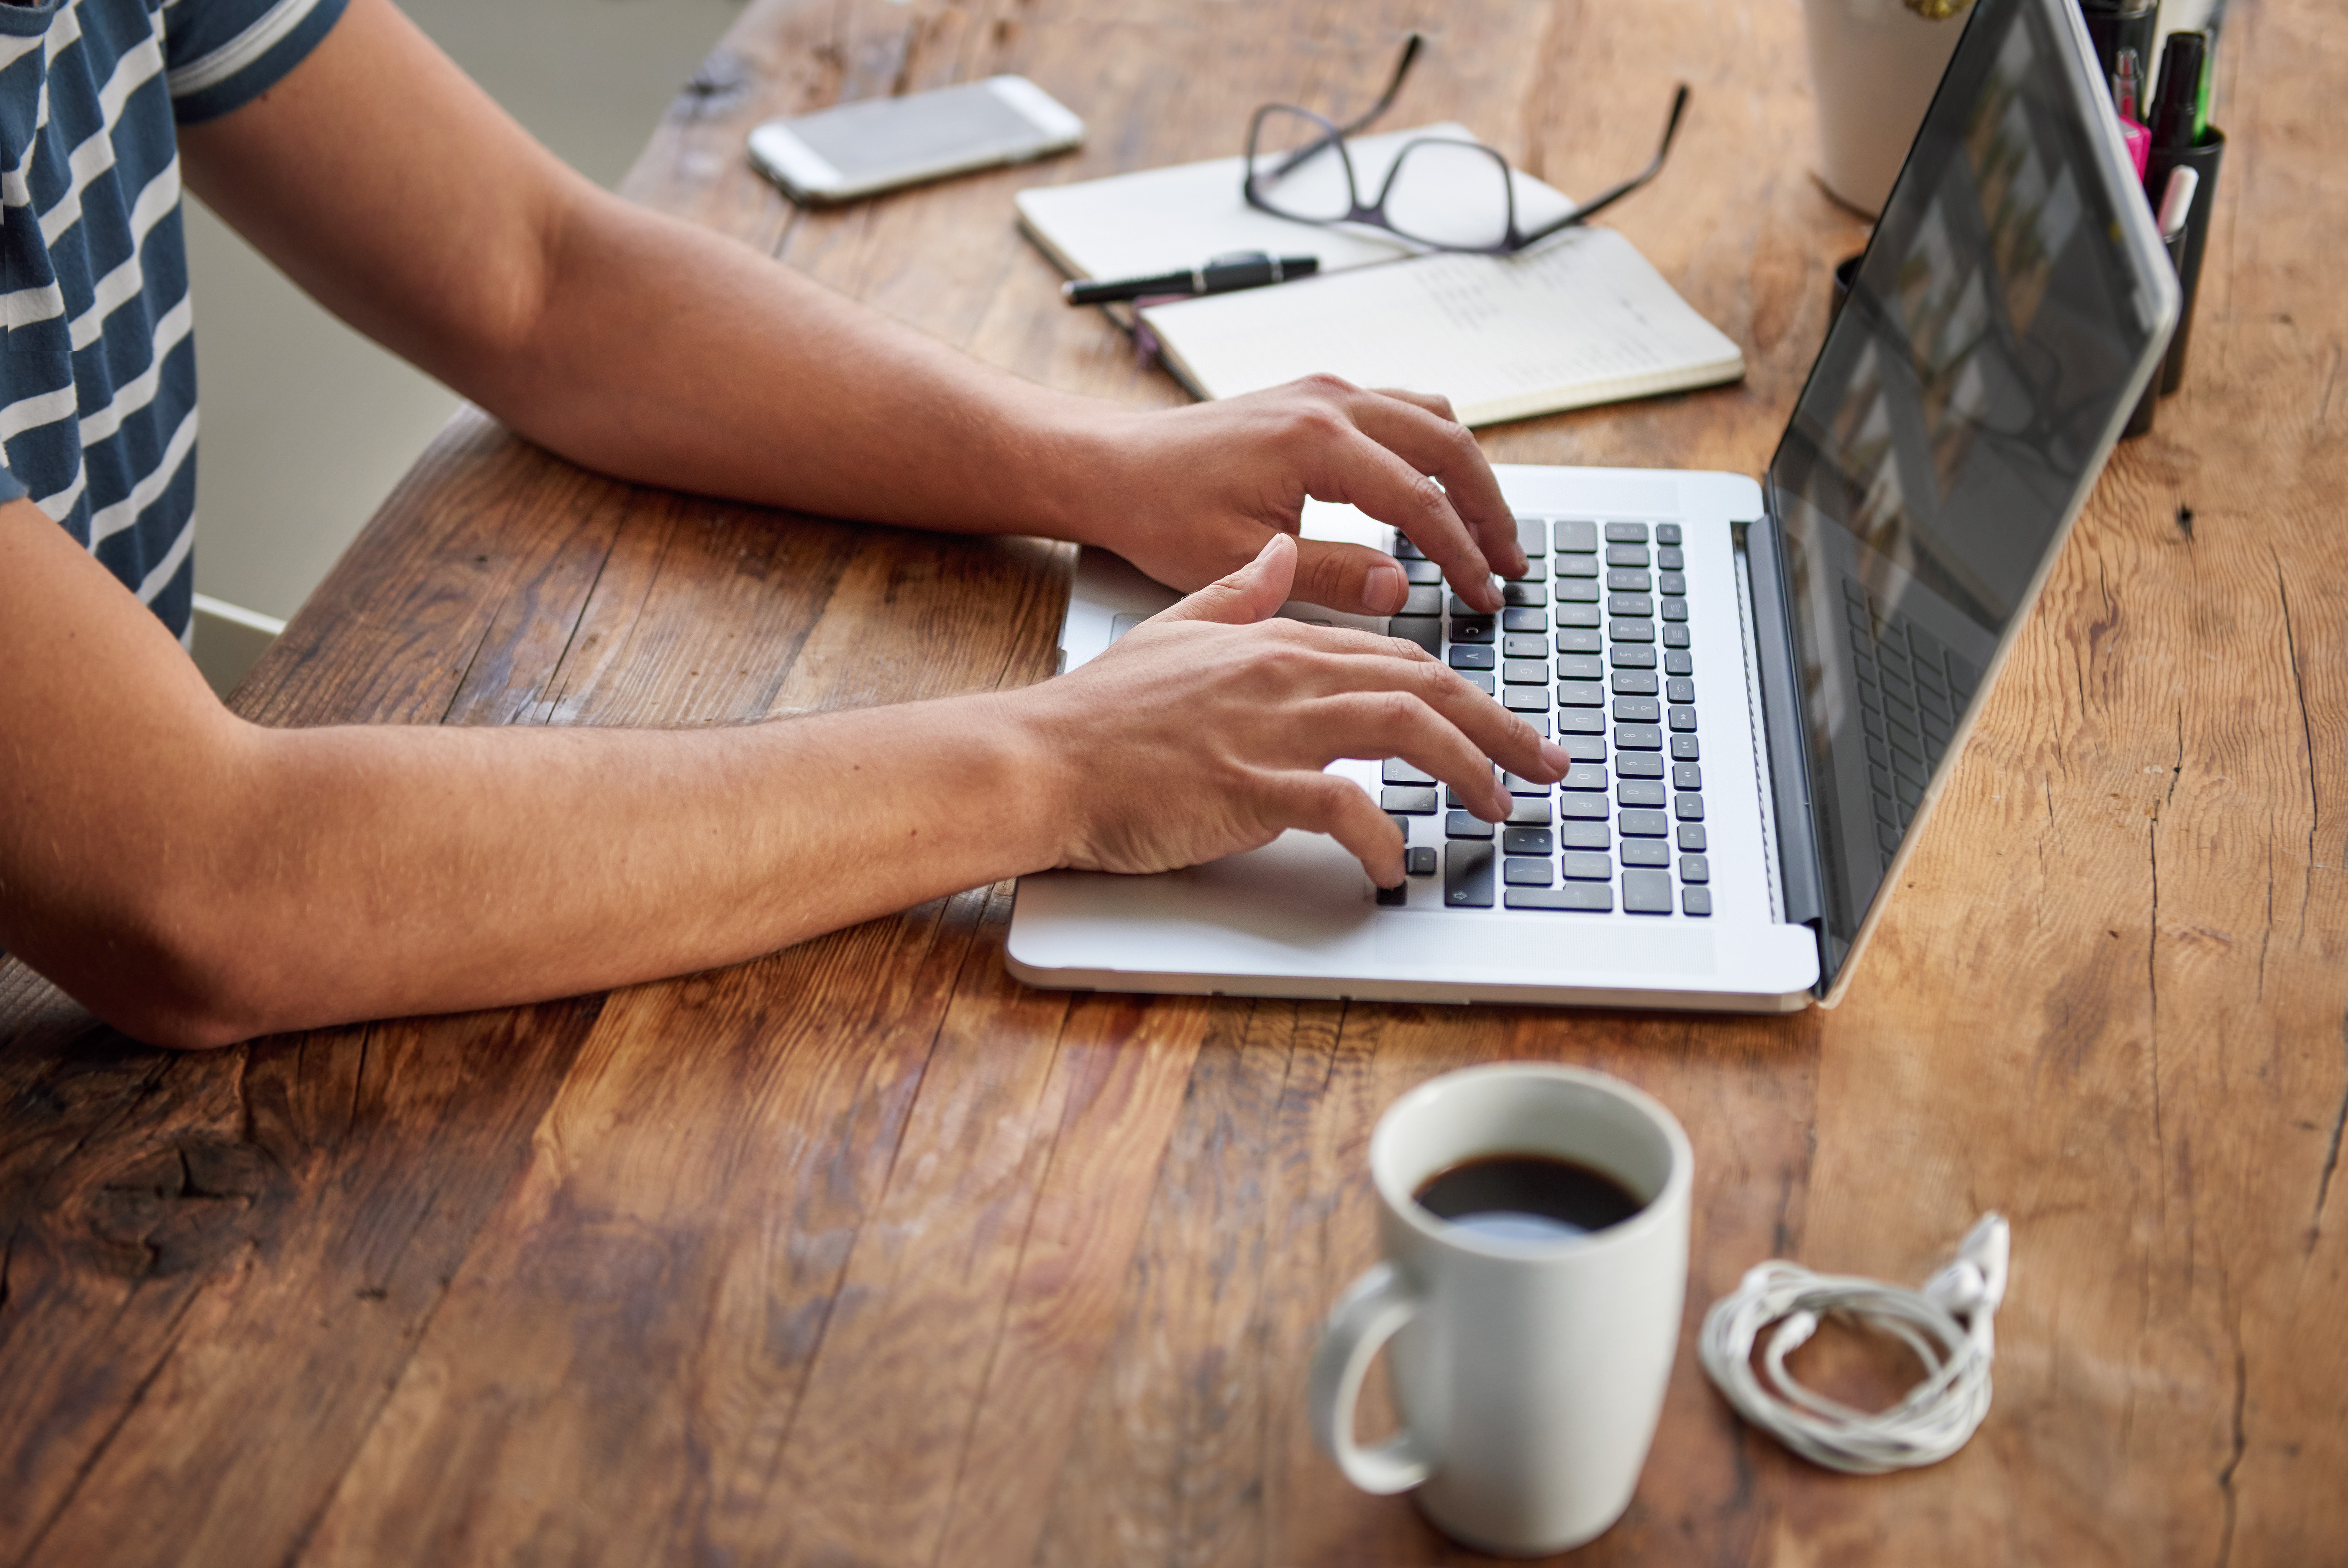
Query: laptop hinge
[1798,872]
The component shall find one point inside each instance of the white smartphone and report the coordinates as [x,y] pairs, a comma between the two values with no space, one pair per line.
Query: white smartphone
[879,144]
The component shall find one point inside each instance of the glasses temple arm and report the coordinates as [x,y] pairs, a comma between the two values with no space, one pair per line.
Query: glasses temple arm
[1599,202]
[1410,49]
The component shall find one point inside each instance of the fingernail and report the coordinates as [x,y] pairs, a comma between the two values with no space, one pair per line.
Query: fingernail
[1492,590]
[1554,756]
[1383,589]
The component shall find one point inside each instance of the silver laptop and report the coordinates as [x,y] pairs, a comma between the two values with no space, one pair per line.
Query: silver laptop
[1764,685]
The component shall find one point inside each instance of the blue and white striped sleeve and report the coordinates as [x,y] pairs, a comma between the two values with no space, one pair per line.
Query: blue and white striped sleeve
[220,55]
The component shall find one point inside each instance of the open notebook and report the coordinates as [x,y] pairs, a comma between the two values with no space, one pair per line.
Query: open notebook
[1579,319]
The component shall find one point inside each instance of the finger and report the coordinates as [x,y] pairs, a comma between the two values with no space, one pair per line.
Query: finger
[1323,802]
[1367,473]
[1351,578]
[1250,594]
[1497,733]
[1422,430]
[1374,726]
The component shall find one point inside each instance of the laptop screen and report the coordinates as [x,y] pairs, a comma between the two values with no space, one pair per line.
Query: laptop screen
[1966,397]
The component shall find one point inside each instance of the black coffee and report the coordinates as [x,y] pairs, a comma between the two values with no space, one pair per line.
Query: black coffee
[1527,1197]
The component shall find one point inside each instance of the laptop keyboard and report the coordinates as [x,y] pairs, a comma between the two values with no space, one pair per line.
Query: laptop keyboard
[1911,689]
[1591,650]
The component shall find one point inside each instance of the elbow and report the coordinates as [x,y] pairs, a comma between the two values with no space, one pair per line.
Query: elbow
[167,976]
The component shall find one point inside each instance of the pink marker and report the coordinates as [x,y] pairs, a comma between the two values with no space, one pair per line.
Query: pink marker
[2128,95]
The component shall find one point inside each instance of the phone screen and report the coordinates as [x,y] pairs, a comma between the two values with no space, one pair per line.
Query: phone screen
[877,135]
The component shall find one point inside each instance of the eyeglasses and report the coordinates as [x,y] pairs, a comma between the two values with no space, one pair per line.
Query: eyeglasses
[1439,193]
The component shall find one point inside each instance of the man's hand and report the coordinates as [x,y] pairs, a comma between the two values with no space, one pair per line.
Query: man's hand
[1204,732]
[1191,494]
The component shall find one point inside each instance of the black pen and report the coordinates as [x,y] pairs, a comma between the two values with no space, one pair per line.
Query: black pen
[1240,269]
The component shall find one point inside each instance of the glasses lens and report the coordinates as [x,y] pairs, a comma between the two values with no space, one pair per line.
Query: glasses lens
[1295,167]
[1454,194]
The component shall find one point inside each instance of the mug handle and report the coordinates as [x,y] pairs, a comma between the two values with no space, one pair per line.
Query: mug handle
[1367,1315]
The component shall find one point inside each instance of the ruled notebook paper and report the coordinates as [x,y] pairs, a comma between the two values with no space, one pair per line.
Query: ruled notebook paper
[1581,319]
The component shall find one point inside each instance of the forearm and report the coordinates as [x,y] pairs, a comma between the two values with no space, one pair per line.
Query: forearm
[756,384]
[326,875]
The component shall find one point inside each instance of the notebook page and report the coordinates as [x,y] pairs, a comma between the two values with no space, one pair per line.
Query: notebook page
[1580,319]
[1162,219]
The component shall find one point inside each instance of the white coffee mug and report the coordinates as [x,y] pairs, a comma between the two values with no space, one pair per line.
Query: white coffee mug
[1528,1374]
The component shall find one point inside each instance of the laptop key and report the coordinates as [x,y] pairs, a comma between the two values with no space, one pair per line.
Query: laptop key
[1631,630]
[1635,683]
[1519,872]
[1532,811]
[1422,574]
[1637,711]
[1515,785]
[1520,618]
[1695,868]
[1670,559]
[1679,664]
[1580,641]
[1686,776]
[1472,629]
[1426,630]
[1639,765]
[1588,748]
[1574,615]
[1641,792]
[1577,592]
[1632,604]
[1626,533]
[1583,776]
[1630,656]
[1521,594]
[1528,841]
[1574,567]
[1583,807]
[1684,748]
[1696,901]
[1425,600]
[1481,680]
[1583,835]
[1647,893]
[1403,549]
[1691,838]
[1683,720]
[1536,570]
[1646,852]
[1418,860]
[1573,536]
[1644,823]
[1628,579]
[1639,737]
[1675,609]
[1581,722]
[1467,824]
[1525,672]
[1395,771]
[1680,690]
[1467,876]
[1675,637]
[1532,536]
[1592,897]
[1581,694]
[1587,866]
[1580,666]
[1673,583]
[1395,897]
[1468,656]
[1667,533]
[1409,800]
[1688,807]
[1525,699]
[1523,645]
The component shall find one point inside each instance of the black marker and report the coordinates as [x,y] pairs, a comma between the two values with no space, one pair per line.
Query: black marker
[1240,269]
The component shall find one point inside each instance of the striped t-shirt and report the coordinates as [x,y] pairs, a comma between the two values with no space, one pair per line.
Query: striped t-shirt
[97,382]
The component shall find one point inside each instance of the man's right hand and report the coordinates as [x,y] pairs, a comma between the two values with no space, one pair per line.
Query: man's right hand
[1206,729]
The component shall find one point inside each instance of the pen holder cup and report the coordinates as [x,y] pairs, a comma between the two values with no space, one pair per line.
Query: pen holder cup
[2203,158]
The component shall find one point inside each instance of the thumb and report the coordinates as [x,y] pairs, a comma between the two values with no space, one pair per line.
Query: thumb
[1249,594]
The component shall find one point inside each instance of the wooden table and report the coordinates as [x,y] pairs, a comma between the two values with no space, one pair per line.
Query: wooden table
[866,1253]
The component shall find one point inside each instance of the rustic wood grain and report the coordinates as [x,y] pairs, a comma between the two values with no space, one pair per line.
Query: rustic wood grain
[866,1253]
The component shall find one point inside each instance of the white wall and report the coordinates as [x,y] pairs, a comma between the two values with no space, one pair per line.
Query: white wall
[306,426]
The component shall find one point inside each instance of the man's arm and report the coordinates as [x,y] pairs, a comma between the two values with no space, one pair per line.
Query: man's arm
[393,190]
[196,879]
